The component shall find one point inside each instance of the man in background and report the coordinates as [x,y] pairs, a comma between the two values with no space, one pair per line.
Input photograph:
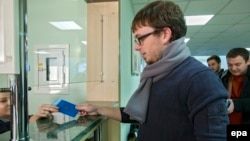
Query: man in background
[237,81]
[214,63]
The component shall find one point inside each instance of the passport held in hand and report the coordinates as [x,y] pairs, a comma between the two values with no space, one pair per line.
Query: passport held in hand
[66,107]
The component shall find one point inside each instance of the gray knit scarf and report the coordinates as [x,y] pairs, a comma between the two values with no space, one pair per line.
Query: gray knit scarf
[172,56]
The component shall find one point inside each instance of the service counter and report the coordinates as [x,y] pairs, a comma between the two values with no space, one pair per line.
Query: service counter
[64,128]
[60,127]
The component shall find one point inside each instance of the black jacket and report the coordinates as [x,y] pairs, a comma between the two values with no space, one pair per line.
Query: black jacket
[221,73]
[4,126]
[243,103]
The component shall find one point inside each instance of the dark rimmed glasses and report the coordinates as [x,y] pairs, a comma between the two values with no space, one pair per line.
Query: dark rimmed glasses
[138,40]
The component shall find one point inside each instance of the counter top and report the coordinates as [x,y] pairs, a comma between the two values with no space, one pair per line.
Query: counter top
[61,127]
[104,103]
[64,128]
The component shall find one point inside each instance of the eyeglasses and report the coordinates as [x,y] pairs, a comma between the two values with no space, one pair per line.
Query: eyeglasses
[138,40]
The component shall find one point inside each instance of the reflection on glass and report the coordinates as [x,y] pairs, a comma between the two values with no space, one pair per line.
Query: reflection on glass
[60,127]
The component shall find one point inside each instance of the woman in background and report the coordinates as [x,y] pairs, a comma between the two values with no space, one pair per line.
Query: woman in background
[44,110]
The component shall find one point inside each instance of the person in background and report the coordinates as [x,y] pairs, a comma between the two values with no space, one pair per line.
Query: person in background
[178,98]
[214,62]
[237,81]
[44,110]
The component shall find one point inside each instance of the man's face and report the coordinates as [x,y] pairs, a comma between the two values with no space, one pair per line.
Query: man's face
[151,46]
[212,64]
[4,104]
[237,66]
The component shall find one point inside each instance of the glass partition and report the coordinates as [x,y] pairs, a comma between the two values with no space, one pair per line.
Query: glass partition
[57,33]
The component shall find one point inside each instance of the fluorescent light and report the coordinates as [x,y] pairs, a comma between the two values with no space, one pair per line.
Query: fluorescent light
[66,25]
[186,40]
[198,20]
[84,42]
[41,52]
[247,48]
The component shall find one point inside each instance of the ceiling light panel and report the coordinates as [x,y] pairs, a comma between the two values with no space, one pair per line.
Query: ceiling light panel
[198,20]
[66,25]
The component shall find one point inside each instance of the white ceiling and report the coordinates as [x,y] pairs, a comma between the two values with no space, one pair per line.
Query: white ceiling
[229,28]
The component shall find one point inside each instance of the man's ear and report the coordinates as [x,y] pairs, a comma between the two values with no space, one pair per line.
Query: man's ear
[167,34]
[248,61]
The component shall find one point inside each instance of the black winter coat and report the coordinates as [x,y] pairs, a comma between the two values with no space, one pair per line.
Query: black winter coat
[243,103]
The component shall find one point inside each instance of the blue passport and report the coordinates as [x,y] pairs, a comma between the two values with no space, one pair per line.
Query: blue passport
[66,107]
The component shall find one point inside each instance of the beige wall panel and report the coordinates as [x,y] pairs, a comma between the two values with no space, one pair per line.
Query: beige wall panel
[94,43]
[103,52]
[102,91]
[111,47]
[103,59]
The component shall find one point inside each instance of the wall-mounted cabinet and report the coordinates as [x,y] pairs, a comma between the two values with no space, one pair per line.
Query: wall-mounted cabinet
[51,69]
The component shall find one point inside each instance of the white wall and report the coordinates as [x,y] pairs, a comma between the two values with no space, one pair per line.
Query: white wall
[8,38]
